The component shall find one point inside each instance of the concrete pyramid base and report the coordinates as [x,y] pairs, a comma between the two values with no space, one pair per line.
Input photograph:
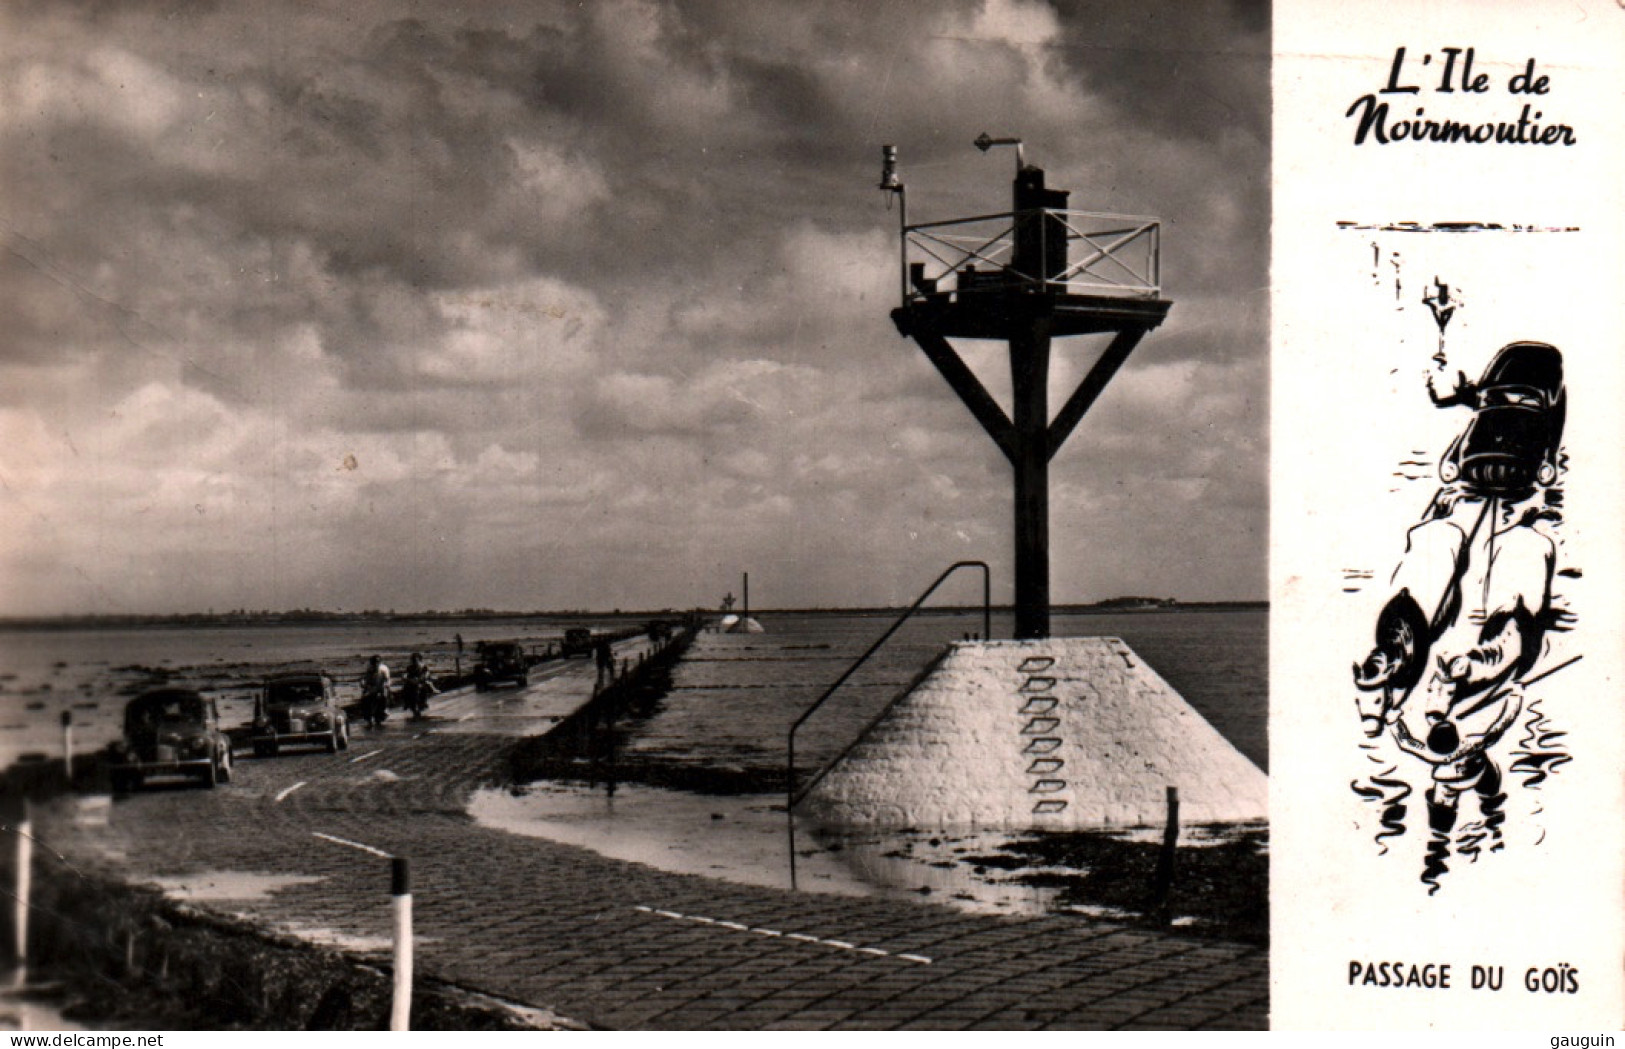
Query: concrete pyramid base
[1061,733]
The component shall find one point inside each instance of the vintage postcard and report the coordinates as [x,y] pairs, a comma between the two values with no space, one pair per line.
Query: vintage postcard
[455,451]
[706,514]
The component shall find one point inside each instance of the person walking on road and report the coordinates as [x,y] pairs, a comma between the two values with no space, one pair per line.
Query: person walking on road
[606,661]
[375,692]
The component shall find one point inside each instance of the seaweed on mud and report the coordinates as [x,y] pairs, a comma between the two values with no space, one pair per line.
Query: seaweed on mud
[1225,888]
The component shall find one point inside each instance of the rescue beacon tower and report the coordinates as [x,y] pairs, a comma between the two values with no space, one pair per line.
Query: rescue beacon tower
[1037,273]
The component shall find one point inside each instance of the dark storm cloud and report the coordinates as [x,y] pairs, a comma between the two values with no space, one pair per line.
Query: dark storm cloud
[623,261]
[1186,70]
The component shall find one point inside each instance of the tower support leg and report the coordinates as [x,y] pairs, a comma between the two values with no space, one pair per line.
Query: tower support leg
[1029,372]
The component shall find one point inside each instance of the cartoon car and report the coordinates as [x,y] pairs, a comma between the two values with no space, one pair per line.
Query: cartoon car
[1513,440]
[501,661]
[298,706]
[170,732]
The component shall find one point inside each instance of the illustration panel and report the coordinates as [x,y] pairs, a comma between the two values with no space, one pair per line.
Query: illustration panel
[1445,551]
[1471,623]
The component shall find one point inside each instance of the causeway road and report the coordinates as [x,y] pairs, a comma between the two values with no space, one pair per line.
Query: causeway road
[297,844]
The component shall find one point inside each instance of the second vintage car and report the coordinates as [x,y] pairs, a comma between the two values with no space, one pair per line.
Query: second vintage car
[298,707]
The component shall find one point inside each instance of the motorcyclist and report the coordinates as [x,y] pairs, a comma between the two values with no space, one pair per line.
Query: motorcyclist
[419,685]
[375,692]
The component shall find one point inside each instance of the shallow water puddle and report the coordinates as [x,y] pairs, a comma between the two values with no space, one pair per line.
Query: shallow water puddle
[233,886]
[737,838]
[742,839]
[343,941]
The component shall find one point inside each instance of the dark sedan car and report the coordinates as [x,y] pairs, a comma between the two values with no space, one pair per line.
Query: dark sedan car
[577,642]
[170,732]
[1512,442]
[298,706]
[501,661]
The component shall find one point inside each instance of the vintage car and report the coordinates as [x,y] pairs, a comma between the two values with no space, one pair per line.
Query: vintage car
[577,642]
[1513,441]
[501,661]
[170,732]
[298,707]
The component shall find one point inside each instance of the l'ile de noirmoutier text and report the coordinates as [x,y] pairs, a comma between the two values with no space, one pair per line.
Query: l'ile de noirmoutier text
[1381,121]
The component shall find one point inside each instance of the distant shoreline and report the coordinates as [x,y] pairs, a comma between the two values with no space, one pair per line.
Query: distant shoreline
[305,617]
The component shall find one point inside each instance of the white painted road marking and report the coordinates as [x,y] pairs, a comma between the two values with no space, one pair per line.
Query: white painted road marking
[290,790]
[496,717]
[363,757]
[351,844]
[803,937]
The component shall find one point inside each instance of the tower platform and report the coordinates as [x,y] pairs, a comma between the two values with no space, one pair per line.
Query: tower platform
[1057,733]
[961,316]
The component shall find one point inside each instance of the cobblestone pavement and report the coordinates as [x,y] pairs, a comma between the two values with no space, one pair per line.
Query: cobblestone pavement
[620,944]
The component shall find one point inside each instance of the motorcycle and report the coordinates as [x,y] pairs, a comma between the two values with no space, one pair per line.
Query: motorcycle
[415,696]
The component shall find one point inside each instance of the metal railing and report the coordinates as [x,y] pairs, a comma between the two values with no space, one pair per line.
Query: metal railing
[791,796]
[1122,255]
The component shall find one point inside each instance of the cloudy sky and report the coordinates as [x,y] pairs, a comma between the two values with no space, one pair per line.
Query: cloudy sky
[584,305]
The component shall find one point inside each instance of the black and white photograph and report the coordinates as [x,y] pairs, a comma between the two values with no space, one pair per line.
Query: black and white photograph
[662,515]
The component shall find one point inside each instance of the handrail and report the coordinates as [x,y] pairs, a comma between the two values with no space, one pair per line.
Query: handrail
[1076,212]
[790,739]
[1122,256]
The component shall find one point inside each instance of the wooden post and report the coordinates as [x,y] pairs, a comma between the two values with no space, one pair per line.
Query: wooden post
[25,878]
[609,746]
[1164,878]
[400,890]
[67,746]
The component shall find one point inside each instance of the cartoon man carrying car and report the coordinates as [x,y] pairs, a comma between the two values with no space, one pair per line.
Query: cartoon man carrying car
[1471,598]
